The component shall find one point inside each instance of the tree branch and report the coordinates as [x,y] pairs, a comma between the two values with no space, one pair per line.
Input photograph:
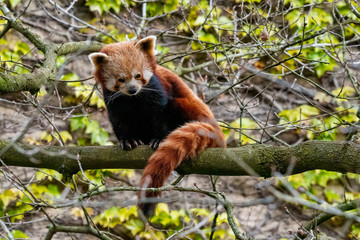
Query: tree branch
[75,229]
[350,205]
[74,47]
[13,23]
[263,159]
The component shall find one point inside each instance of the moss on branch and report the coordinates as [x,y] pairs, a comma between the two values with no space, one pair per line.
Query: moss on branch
[263,159]
[33,81]
[76,47]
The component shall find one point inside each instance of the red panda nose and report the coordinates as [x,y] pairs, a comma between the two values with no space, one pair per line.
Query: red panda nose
[132,90]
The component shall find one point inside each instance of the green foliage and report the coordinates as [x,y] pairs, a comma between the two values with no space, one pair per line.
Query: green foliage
[15,203]
[246,126]
[83,92]
[13,3]
[48,174]
[11,57]
[300,113]
[308,23]
[318,183]
[97,176]
[103,5]
[324,128]
[17,234]
[116,216]
[114,32]
[49,137]
[154,8]
[212,24]
[311,178]
[98,135]
[170,222]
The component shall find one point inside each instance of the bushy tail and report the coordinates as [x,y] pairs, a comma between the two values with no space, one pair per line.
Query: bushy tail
[184,142]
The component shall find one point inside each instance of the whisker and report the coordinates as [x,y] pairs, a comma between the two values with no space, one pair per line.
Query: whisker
[151,89]
[112,97]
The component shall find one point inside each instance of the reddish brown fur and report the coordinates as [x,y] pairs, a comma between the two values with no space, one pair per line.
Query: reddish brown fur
[201,131]
[127,57]
[184,142]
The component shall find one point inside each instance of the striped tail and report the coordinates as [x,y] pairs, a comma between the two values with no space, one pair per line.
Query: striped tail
[183,143]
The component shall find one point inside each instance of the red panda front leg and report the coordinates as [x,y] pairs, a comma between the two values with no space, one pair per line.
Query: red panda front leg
[126,142]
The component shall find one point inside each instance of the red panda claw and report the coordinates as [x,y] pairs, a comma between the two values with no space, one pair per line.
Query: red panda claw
[154,143]
[127,144]
[121,145]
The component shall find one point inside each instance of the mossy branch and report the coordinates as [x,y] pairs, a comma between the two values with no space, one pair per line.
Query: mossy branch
[40,76]
[263,159]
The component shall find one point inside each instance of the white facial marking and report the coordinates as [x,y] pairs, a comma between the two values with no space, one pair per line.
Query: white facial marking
[135,83]
[147,74]
[110,83]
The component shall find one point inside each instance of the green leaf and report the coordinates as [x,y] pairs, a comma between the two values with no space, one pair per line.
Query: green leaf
[345,91]
[17,234]
[135,226]
[46,137]
[199,20]
[10,195]
[200,211]
[293,18]
[308,110]
[78,123]
[226,23]
[103,5]
[53,190]
[332,196]
[60,61]
[43,173]
[13,3]
[66,136]
[21,48]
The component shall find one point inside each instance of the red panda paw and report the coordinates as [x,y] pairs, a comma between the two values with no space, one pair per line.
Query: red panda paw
[128,144]
[154,143]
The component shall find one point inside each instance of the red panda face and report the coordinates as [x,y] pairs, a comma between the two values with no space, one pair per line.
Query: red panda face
[124,67]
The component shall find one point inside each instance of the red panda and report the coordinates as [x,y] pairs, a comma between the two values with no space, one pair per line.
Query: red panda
[148,104]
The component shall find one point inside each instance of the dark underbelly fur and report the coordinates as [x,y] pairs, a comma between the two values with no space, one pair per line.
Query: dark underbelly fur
[148,115]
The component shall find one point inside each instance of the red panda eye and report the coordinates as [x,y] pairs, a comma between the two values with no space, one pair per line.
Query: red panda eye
[137,76]
[121,80]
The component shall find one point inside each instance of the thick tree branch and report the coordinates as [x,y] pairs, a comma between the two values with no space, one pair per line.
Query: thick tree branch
[33,81]
[263,159]
[75,229]
[75,47]
[25,82]
[14,23]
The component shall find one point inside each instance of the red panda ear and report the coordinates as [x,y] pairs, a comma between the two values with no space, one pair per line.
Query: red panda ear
[97,58]
[147,45]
